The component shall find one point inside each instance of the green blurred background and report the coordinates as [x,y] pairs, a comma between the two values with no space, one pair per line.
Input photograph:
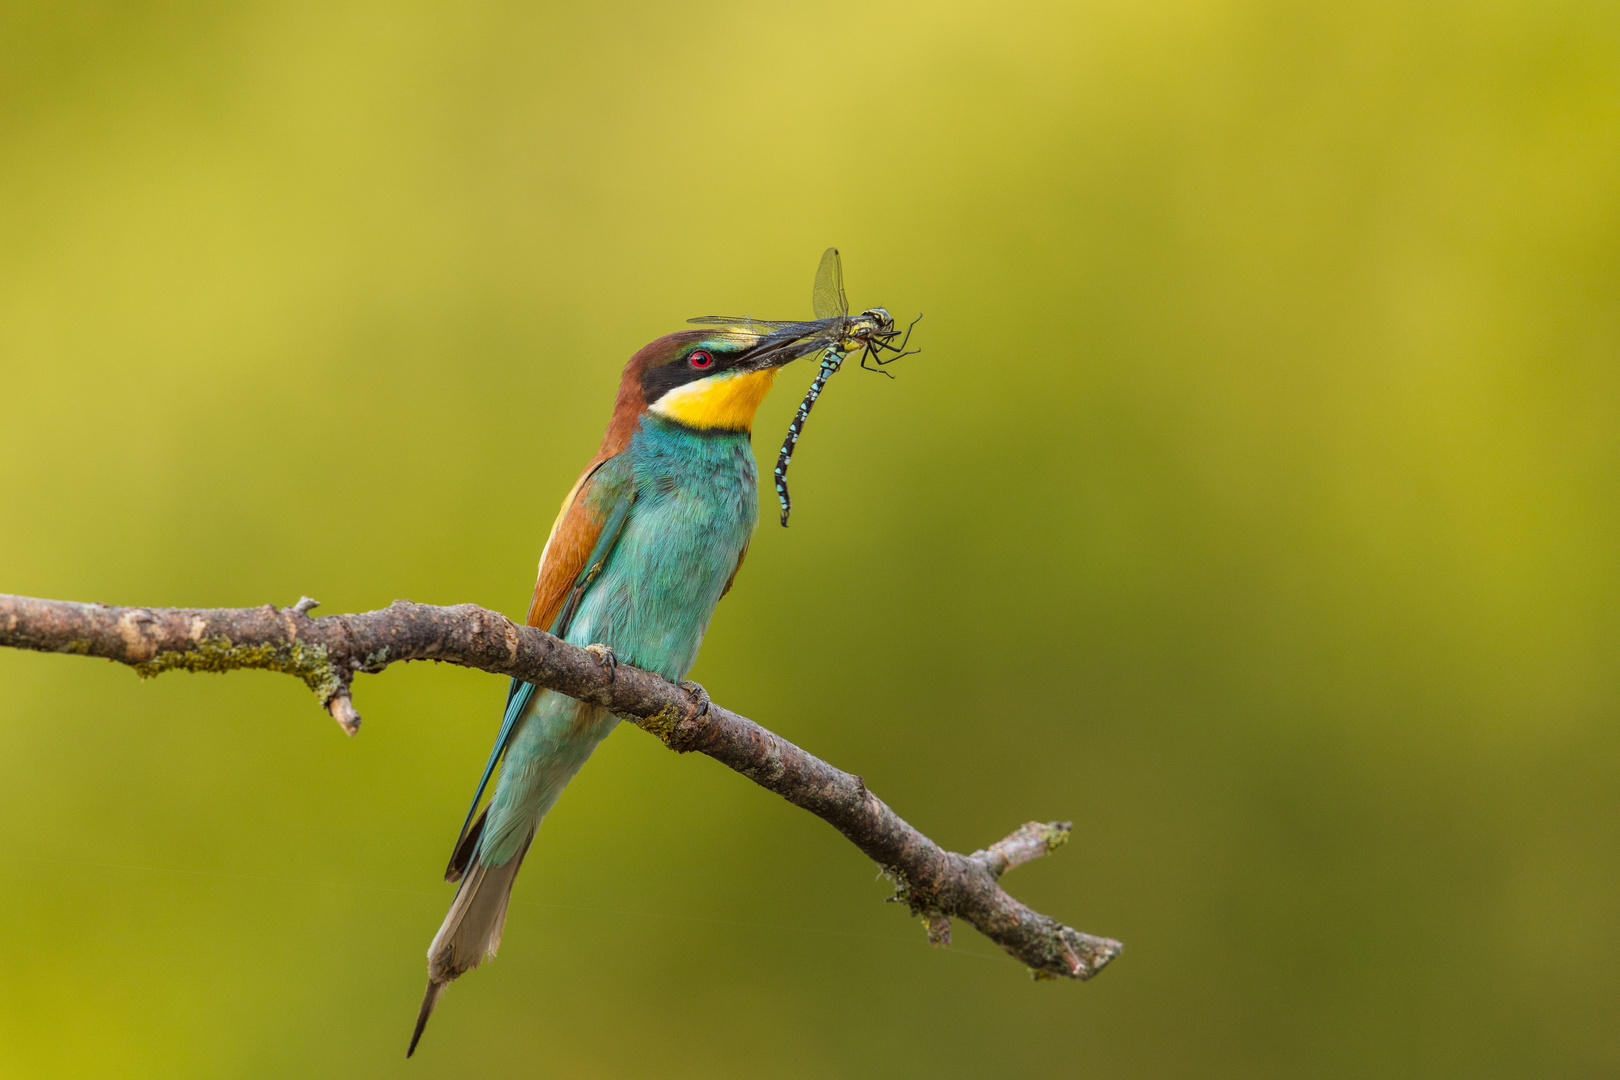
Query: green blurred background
[1255,504]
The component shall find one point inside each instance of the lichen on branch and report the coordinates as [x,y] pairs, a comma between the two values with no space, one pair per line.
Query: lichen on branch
[220,654]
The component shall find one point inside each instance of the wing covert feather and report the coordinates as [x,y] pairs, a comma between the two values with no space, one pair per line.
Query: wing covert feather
[732,580]
[573,536]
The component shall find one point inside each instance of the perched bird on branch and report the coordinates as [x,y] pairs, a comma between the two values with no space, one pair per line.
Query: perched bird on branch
[648,541]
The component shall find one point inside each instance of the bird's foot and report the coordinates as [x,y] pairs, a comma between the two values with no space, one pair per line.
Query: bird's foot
[604,658]
[698,696]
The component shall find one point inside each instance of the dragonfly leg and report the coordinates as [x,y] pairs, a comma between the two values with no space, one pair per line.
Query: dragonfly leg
[904,341]
[869,353]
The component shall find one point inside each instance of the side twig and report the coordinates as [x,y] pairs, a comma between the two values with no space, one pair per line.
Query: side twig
[328,652]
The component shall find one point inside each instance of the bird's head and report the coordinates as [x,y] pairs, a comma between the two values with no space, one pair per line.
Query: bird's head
[710,380]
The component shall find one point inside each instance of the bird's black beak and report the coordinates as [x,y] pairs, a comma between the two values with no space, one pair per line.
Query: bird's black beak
[785,346]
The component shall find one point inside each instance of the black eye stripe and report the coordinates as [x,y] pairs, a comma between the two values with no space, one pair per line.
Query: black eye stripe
[658,381]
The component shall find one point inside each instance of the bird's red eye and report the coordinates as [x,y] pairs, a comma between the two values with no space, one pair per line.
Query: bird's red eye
[701,359]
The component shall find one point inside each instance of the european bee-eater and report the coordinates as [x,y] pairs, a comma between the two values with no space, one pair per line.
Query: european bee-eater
[647,542]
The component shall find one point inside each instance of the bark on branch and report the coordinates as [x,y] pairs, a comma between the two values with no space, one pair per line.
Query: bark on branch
[328,652]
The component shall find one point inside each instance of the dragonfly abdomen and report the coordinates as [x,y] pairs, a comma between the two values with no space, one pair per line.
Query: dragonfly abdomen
[831,361]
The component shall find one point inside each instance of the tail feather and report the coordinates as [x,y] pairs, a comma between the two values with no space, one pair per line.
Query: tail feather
[464,850]
[547,748]
[471,932]
[430,999]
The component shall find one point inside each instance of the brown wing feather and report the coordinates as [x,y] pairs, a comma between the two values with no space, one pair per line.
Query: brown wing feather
[573,535]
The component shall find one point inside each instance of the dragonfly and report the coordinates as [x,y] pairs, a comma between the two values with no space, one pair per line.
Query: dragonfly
[838,334]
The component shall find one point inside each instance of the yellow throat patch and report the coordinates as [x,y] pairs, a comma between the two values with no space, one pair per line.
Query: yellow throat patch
[722,402]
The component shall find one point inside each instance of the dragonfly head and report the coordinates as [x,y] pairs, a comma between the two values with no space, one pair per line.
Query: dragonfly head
[868,324]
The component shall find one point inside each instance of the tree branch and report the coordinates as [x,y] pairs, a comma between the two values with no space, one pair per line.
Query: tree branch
[328,652]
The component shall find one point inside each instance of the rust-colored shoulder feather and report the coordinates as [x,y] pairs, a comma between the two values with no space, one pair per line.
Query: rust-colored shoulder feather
[573,535]
[578,524]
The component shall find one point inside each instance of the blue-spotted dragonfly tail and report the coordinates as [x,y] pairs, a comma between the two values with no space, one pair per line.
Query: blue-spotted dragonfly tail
[831,361]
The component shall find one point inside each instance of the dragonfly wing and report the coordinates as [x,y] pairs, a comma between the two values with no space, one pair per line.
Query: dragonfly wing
[762,325]
[828,298]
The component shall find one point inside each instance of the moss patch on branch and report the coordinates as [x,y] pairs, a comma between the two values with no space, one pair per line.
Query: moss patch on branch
[662,723]
[218,654]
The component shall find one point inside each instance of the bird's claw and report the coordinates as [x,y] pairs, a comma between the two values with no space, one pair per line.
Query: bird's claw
[699,697]
[604,658]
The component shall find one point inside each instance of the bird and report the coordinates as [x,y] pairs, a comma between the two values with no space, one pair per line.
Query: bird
[648,540]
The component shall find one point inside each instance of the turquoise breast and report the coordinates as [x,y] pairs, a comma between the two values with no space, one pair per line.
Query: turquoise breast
[696,504]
